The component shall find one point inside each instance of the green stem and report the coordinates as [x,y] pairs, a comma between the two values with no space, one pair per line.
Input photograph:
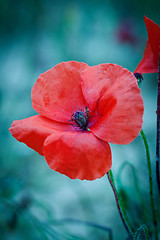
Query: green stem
[158,129]
[150,182]
[120,207]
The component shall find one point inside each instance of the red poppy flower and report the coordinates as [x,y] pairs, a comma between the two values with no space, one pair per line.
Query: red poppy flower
[150,60]
[81,109]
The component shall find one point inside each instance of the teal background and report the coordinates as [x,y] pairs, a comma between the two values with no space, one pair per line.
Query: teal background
[35,36]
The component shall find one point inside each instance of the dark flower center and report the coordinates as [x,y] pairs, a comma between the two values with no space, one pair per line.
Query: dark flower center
[82,118]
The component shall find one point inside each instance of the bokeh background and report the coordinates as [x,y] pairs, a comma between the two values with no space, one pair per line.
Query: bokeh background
[35,35]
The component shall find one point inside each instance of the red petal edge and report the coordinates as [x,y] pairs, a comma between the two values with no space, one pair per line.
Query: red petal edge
[150,60]
[148,63]
[33,131]
[153,31]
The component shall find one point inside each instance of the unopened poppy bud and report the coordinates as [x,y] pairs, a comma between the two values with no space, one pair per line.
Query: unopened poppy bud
[81,119]
[139,78]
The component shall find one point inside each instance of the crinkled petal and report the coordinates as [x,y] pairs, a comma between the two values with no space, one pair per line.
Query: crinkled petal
[57,93]
[77,154]
[33,131]
[114,92]
[148,63]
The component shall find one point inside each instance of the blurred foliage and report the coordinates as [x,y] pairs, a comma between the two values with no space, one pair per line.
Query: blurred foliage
[142,233]
[36,202]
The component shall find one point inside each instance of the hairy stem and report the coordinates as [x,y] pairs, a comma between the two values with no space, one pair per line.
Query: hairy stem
[120,206]
[150,182]
[158,130]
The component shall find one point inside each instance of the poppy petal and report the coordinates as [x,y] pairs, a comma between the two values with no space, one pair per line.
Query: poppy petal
[33,131]
[150,60]
[153,31]
[114,92]
[77,155]
[57,92]
[148,63]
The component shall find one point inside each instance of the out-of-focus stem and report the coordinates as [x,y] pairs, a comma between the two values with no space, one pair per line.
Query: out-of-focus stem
[135,178]
[120,206]
[150,182]
[81,222]
[158,130]
[143,229]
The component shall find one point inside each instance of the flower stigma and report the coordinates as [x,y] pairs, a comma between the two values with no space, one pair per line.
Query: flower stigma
[82,119]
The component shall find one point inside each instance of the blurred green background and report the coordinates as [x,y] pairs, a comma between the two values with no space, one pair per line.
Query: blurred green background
[36,202]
